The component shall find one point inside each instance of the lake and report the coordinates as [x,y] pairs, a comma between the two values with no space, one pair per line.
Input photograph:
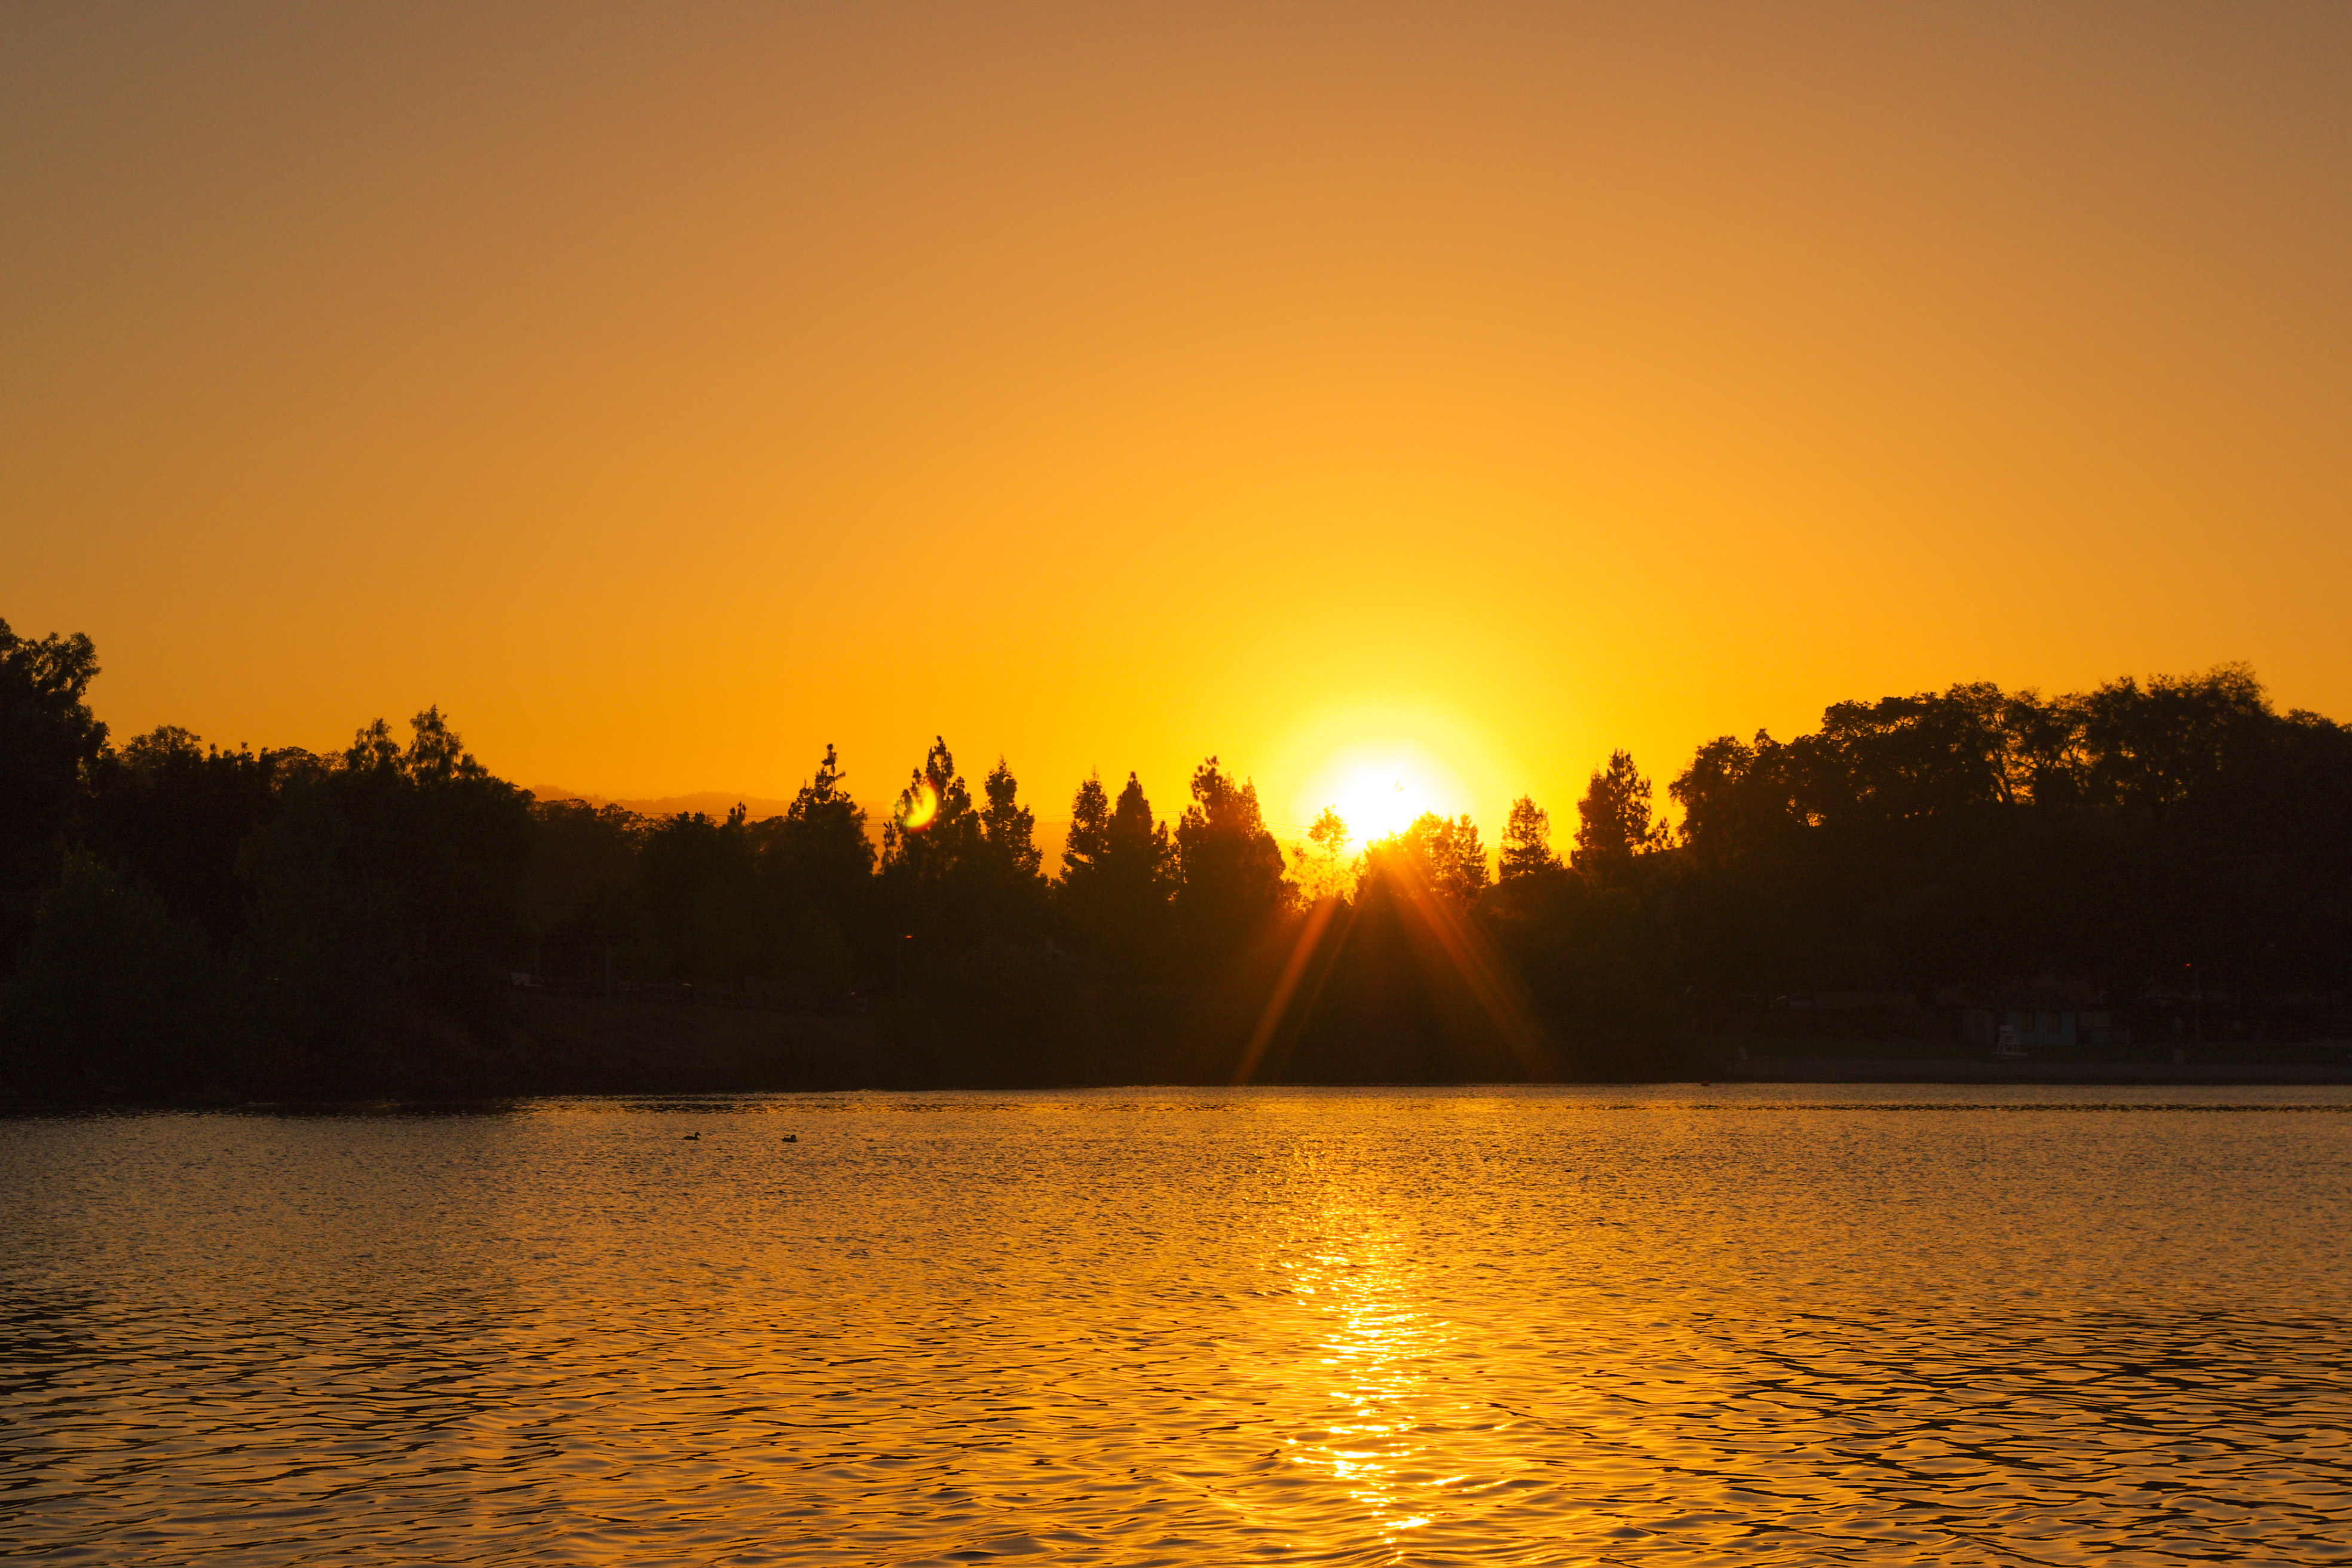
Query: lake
[1771,1325]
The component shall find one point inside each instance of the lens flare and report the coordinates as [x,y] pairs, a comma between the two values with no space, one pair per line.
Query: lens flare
[917,807]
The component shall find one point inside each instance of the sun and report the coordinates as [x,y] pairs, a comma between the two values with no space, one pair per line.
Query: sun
[1379,788]
[1374,807]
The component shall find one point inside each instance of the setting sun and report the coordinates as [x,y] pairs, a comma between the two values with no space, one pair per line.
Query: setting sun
[1379,790]
[1374,805]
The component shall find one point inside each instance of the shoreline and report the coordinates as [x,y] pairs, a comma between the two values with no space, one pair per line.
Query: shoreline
[1830,1069]
[2054,1075]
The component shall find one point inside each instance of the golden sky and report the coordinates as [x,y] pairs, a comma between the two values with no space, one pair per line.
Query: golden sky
[668,391]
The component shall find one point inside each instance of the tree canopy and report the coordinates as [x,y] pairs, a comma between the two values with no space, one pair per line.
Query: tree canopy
[182,914]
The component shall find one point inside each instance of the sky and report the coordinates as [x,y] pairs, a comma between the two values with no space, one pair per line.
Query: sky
[1442,394]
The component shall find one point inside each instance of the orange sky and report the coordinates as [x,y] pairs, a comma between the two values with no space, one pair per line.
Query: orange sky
[668,391]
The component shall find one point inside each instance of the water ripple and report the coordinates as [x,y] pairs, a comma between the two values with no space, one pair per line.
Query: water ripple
[1181,1328]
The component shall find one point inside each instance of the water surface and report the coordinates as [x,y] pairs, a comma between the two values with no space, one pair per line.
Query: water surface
[1764,1324]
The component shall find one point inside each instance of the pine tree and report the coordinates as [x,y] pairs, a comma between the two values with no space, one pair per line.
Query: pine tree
[1089,830]
[1613,822]
[1229,867]
[933,829]
[1009,827]
[1527,841]
[1113,897]
[1136,856]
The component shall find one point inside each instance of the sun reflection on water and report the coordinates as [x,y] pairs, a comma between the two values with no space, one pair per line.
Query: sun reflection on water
[1376,1348]
[1325,1328]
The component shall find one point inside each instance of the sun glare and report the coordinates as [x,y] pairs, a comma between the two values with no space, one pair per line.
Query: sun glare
[1379,790]
[1375,807]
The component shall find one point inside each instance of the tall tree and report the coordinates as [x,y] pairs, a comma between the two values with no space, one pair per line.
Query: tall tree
[818,850]
[1739,802]
[1116,878]
[1613,821]
[1012,892]
[582,895]
[1009,827]
[1877,765]
[1136,856]
[1463,858]
[933,829]
[1527,841]
[932,868]
[169,811]
[1089,829]
[1229,869]
[2158,747]
[701,885]
[389,879]
[47,736]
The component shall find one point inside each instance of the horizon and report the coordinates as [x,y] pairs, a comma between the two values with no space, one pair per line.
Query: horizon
[1344,773]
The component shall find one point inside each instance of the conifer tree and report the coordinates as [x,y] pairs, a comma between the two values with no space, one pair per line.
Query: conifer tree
[1613,822]
[1113,896]
[1009,827]
[933,828]
[1527,841]
[1229,867]
[1137,857]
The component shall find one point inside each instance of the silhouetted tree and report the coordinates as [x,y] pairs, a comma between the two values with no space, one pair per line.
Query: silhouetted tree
[1737,800]
[932,870]
[1229,869]
[704,897]
[387,895]
[581,896]
[933,830]
[2165,746]
[176,814]
[821,863]
[1014,893]
[1117,878]
[1137,853]
[1089,829]
[47,736]
[818,850]
[1008,826]
[1613,821]
[1527,842]
[1436,854]
[1904,759]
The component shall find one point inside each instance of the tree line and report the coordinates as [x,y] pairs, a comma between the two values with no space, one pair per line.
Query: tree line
[181,916]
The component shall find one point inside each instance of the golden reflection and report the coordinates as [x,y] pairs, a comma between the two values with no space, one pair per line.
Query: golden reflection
[1376,1346]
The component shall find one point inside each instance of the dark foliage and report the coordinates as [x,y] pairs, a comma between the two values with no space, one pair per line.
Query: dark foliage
[48,735]
[185,920]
